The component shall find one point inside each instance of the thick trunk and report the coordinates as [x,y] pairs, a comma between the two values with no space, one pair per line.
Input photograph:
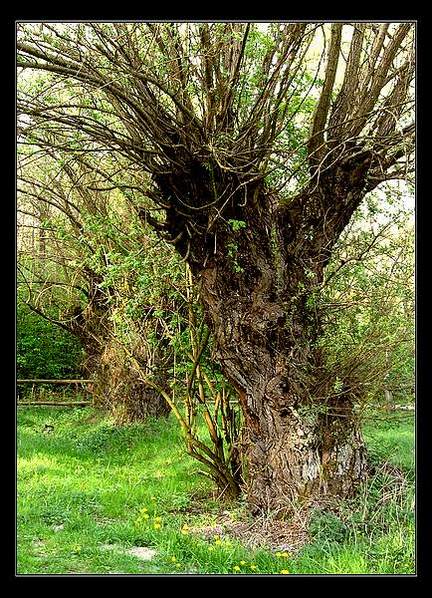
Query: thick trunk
[258,271]
[295,455]
[301,437]
[116,386]
[136,402]
[118,389]
[127,396]
[298,443]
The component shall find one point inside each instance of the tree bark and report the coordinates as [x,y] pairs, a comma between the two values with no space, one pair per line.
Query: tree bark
[116,386]
[295,455]
[296,445]
[301,436]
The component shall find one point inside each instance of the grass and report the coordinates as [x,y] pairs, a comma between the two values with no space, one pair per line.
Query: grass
[88,492]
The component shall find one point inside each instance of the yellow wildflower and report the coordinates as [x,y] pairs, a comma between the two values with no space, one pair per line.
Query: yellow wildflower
[178,565]
[285,555]
[236,568]
[218,542]
[278,554]
[145,516]
[253,567]
[158,519]
[211,548]
[284,571]
[144,510]
[157,526]
[243,563]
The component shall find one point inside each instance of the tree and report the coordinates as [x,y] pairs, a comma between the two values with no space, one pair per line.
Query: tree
[367,297]
[76,281]
[215,114]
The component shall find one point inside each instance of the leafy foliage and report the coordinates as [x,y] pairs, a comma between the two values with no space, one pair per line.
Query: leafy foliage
[44,350]
[368,303]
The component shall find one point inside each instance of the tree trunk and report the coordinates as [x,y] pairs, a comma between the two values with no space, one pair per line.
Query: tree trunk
[128,397]
[116,386]
[132,400]
[297,445]
[259,272]
[297,455]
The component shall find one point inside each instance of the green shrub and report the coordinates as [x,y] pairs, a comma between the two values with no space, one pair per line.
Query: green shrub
[325,526]
[45,350]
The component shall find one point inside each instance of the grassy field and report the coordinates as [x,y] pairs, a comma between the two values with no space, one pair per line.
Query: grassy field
[90,494]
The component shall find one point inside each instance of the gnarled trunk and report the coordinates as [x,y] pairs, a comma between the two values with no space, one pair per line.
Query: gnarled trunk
[128,397]
[296,455]
[116,386]
[259,269]
[298,442]
[135,401]
[118,389]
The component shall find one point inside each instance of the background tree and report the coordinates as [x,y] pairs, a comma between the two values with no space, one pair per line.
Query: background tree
[212,113]
[75,281]
[368,301]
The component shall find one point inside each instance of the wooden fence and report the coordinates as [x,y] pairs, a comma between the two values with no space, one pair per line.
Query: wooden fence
[35,382]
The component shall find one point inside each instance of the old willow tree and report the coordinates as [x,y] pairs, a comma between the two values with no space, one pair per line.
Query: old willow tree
[256,144]
[74,278]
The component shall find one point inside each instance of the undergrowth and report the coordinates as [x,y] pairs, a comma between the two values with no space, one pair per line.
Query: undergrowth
[89,492]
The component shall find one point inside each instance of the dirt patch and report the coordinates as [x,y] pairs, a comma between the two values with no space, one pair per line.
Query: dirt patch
[270,534]
[141,552]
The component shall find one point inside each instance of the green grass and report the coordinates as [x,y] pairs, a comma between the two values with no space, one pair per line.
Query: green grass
[87,484]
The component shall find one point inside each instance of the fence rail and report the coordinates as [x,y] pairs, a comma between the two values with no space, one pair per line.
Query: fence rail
[23,381]
[63,403]
[57,403]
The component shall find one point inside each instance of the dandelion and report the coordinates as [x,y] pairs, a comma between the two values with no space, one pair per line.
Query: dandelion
[158,519]
[243,563]
[284,571]
[157,526]
[253,567]
[218,542]
[236,568]
[185,529]
[145,516]
[278,554]
[285,555]
[178,565]
[173,559]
